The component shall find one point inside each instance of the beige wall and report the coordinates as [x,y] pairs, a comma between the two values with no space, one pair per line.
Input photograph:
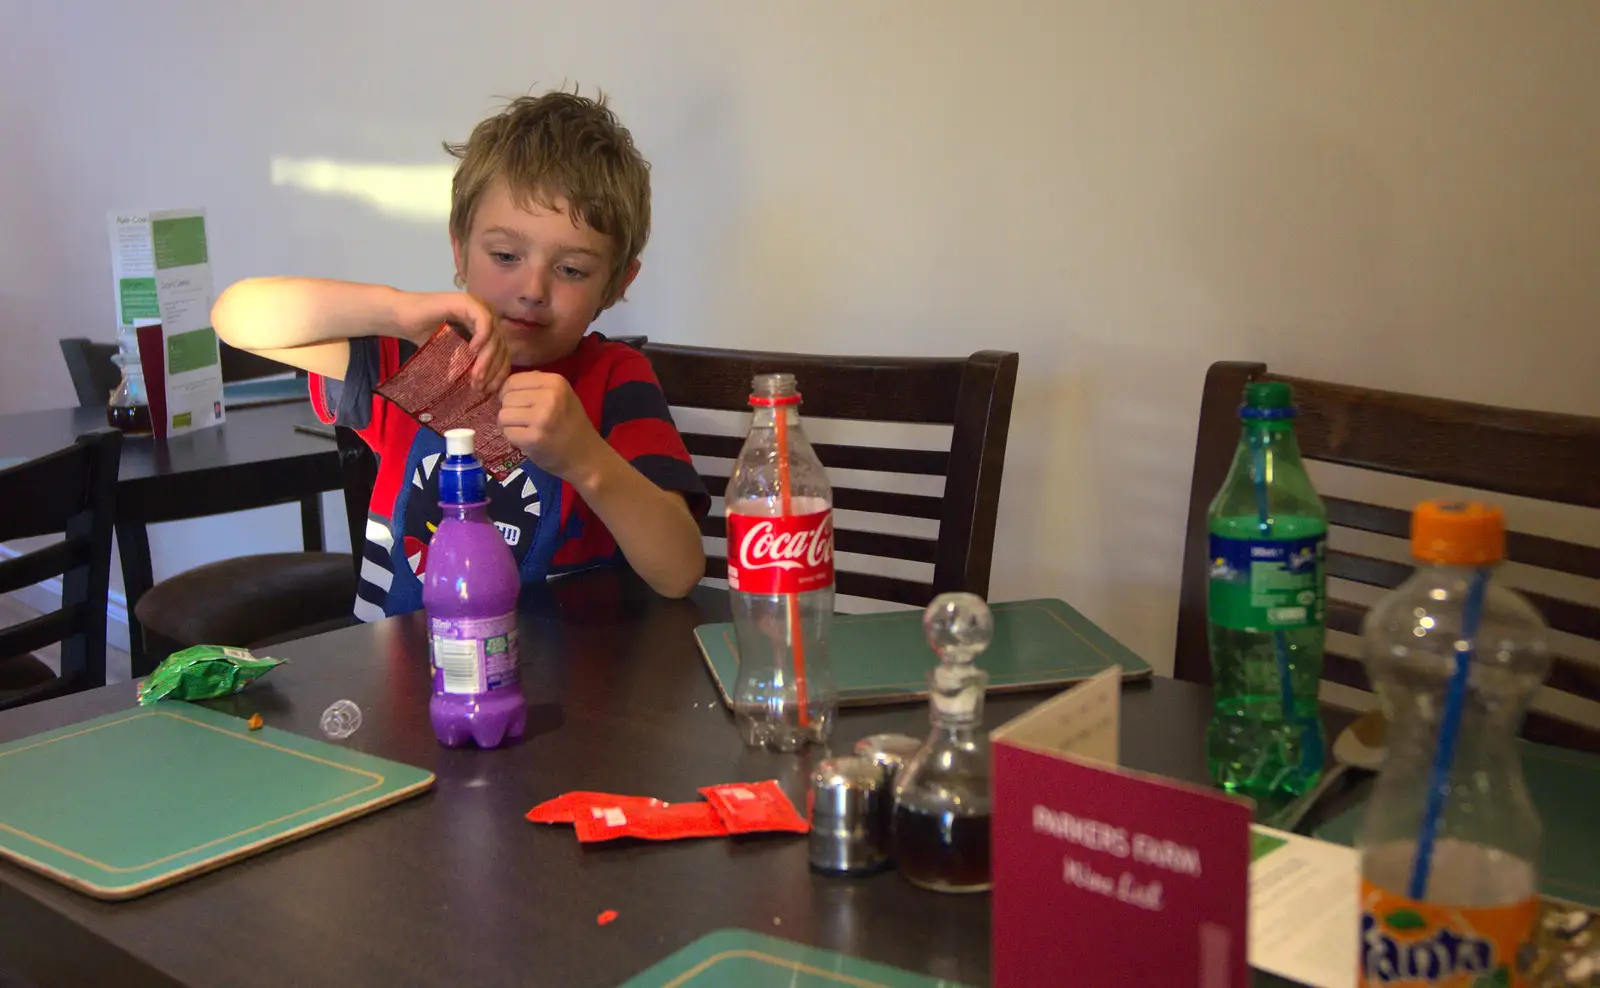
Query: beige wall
[1398,194]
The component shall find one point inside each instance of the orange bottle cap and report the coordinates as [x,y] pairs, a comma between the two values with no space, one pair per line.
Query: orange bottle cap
[1458,533]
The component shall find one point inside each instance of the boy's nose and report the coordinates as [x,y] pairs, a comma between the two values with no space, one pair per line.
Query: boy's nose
[535,291]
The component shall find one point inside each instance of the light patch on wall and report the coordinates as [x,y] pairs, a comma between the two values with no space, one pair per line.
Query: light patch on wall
[409,192]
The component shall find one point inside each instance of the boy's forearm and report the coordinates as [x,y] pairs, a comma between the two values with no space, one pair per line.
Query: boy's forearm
[652,526]
[306,322]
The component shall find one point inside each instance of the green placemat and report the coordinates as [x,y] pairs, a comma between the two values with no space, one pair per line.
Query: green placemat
[1565,786]
[127,803]
[742,959]
[884,658]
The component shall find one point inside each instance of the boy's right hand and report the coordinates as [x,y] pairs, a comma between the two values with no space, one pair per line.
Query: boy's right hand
[422,313]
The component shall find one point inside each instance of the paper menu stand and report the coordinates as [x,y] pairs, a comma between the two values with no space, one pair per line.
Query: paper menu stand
[162,276]
[1105,876]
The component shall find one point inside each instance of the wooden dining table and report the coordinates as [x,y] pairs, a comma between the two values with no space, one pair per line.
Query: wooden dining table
[254,459]
[455,887]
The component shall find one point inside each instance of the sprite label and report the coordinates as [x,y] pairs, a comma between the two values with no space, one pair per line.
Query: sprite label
[1267,584]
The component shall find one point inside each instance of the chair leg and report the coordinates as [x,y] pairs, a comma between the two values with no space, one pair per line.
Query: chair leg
[156,649]
[311,522]
[133,545]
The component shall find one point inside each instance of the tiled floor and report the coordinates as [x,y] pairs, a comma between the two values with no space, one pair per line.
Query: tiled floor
[12,612]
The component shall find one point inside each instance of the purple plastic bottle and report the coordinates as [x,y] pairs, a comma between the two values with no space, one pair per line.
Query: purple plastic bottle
[469,595]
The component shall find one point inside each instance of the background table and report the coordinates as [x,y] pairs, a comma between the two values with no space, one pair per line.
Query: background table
[456,888]
[254,459]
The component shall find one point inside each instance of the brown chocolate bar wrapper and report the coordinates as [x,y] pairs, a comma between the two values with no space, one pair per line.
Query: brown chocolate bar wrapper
[433,388]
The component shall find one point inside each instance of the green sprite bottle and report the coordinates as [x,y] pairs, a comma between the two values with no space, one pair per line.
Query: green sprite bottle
[1269,533]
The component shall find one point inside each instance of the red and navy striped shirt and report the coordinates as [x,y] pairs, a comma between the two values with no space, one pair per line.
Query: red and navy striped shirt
[548,527]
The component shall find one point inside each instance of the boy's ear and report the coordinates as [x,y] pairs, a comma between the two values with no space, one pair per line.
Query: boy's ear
[461,267]
[627,277]
[628,274]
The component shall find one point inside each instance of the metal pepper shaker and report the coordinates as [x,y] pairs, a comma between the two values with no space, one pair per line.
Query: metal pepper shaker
[889,752]
[848,804]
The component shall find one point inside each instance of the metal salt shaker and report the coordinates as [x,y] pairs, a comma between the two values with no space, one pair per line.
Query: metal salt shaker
[847,805]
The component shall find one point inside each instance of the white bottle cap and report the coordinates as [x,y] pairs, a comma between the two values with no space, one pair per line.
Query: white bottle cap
[458,442]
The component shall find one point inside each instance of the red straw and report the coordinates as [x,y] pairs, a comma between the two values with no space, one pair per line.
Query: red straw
[796,633]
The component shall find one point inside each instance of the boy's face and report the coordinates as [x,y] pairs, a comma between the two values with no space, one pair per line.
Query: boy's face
[542,275]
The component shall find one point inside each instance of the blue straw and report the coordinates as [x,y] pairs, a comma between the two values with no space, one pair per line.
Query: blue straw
[1444,753]
[1258,479]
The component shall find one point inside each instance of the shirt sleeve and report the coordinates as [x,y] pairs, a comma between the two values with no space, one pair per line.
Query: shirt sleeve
[635,420]
[349,402]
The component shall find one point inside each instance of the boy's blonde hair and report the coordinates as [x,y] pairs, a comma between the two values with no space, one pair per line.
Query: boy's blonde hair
[559,145]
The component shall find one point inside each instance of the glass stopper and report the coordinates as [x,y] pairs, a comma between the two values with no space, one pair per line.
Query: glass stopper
[958,626]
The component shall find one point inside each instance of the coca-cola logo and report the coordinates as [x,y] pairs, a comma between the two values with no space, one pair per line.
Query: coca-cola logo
[765,546]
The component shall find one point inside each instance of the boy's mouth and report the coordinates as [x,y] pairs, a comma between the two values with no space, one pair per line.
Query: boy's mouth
[526,325]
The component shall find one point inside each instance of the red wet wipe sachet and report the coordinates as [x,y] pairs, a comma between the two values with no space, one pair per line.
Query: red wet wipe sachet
[672,822]
[434,389]
[754,807]
[566,807]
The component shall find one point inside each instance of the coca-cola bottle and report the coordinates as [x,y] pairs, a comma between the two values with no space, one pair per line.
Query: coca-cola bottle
[780,576]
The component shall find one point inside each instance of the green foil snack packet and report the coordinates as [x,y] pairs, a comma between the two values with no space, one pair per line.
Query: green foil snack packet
[203,672]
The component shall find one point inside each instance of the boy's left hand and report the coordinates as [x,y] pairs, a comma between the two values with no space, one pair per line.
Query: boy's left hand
[540,414]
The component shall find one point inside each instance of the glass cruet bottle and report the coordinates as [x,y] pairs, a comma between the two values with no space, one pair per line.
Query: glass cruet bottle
[128,406]
[942,801]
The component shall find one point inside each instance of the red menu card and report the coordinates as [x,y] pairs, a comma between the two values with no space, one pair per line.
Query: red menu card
[1104,877]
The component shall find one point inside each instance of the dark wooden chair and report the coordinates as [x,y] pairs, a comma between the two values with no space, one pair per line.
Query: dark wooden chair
[93,374]
[972,394]
[1539,455]
[242,365]
[247,600]
[72,493]
[261,600]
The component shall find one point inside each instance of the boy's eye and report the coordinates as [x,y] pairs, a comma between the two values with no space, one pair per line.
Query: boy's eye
[568,271]
[502,257]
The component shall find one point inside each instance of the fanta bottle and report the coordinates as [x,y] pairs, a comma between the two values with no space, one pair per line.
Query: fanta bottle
[1452,653]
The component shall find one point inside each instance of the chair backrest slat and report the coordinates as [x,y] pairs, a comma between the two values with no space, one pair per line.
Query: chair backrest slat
[42,564]
[1368,517]
[924,462]
[880,389]
[892,589]
[36,633]
[1383,573]
[1532,550]
[972,395]
[1528,454]
[1553,554]
[1543,455]
[70,492]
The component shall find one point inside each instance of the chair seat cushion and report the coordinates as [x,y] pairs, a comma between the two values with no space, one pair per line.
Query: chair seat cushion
[345,620]
[250,598]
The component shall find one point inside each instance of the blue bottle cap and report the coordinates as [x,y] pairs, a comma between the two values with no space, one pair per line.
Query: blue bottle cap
[461,477]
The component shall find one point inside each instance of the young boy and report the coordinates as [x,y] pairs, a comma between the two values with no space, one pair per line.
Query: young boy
[550,209]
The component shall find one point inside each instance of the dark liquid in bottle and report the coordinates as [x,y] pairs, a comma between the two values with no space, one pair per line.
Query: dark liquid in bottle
[129,418]
[942,851]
